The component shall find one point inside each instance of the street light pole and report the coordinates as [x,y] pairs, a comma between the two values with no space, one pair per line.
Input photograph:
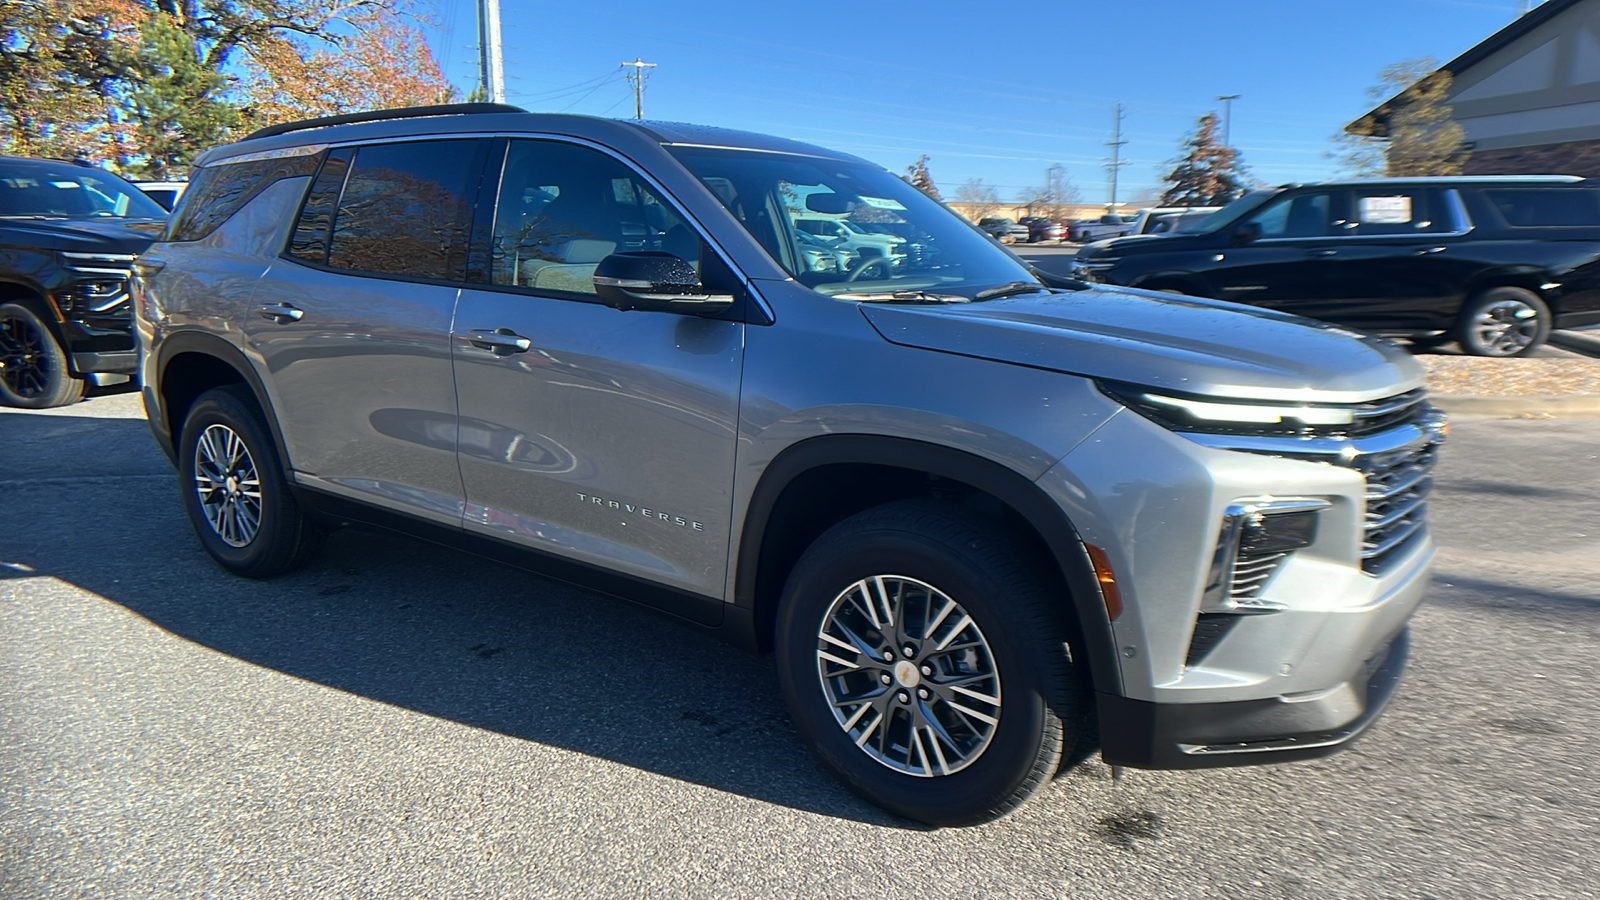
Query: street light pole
[1227,115]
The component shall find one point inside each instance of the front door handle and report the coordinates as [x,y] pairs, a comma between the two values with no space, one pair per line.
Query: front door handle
[282,313]
[1424,251]
[1325,252]
[500,341]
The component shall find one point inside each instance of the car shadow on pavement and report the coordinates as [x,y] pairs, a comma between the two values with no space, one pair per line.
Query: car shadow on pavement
[410,624]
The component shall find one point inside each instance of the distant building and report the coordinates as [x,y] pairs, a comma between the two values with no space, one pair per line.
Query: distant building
[1015,211]
[1528,97]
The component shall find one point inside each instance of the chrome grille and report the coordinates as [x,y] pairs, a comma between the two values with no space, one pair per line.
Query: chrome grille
[1378,415]
[1396,451]
[1397,491]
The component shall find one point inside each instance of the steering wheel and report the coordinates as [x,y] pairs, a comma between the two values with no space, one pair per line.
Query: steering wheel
[868,263]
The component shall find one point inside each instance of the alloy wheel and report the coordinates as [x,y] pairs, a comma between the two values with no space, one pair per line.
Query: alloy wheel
[229,488]
[1506,328]
[22,358]
[908,675]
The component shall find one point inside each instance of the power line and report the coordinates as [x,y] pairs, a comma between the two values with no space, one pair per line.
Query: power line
[637,78]
[1117,162]
[491,71]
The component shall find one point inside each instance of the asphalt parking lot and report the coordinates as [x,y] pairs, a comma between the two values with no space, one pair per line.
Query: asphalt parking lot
[401,720]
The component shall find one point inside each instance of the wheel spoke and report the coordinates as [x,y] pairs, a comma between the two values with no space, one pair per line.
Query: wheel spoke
[226,482]
[934,711]
[959,627]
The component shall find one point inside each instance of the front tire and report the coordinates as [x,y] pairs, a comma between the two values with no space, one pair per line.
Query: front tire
[34,371]
[1503,322]
[235,490]
[969,714]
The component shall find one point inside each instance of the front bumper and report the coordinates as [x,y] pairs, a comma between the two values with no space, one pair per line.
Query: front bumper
[1147,735]
[112,362]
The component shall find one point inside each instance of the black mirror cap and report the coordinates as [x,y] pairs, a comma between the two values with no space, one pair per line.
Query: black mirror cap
[654,280]
[1248,233]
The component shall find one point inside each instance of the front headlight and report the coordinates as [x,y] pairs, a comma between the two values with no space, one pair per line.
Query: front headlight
[1226,415]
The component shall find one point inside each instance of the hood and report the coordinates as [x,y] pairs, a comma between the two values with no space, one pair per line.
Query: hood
[1170,240]
[82,235]
[1186,344]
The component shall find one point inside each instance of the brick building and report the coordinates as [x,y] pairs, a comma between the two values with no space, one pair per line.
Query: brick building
[1528,97]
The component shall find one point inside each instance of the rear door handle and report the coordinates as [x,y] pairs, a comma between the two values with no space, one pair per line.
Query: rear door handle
[282,313]
[1424,251]
[1325,252]
[500,341]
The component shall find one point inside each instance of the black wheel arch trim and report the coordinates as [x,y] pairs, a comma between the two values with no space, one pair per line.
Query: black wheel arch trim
[1518,277]
[37,300]
[180,343]
[1052,525]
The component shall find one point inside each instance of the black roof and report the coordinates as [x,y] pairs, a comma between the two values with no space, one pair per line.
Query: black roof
[1376,122]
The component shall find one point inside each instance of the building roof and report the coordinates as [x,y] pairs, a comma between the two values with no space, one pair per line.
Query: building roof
[1376,122]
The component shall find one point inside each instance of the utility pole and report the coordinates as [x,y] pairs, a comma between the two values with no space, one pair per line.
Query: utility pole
[491,73]
[1117,162]
[1227,115]
[637,78]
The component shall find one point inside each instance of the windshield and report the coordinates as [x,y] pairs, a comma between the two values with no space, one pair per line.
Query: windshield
[1227,215]
[1192,223]
[785,201]
[40,189]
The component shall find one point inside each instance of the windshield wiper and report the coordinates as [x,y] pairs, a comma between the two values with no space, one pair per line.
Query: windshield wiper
[902,297]
[1009,288]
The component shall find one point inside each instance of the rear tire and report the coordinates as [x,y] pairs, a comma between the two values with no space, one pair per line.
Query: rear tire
[980,702]
[235,490]
[34,370]
[1503,322]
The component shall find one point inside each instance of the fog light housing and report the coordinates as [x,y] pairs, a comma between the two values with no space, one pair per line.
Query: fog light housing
[1255,539]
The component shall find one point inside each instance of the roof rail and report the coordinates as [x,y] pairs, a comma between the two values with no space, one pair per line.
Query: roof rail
[378,115]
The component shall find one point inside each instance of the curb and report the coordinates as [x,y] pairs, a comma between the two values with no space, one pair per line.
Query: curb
[1536,406]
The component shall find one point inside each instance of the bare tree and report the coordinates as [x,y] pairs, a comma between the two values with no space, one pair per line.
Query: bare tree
[1055,197]
[980,199]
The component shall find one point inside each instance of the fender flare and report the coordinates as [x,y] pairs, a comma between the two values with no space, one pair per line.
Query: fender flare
[180,343]
[1056,530]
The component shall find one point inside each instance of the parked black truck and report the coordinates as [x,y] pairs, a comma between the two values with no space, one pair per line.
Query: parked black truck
[1492,262]
[68,237]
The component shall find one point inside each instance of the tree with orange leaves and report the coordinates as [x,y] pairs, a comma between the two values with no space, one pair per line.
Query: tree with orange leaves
[147,84]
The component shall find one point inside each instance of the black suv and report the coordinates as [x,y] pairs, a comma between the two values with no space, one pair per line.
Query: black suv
[1491,262]
[68,235]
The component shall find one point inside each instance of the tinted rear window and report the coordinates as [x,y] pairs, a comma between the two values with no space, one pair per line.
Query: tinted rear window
[406,209]
[219,191]
[310,239]
[1545,207]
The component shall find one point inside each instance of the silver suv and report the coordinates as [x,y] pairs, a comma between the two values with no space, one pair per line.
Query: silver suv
[972,514]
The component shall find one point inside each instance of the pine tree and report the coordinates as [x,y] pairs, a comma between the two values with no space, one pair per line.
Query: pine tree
[178,105]
[1208,174]
[917,176]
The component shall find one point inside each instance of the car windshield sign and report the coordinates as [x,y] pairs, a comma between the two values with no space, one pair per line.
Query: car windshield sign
[890,242]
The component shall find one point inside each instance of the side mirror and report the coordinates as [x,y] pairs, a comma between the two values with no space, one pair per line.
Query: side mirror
[1248,233]
[654,280]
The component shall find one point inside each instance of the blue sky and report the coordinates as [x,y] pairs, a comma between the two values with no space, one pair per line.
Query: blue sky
[997,91]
